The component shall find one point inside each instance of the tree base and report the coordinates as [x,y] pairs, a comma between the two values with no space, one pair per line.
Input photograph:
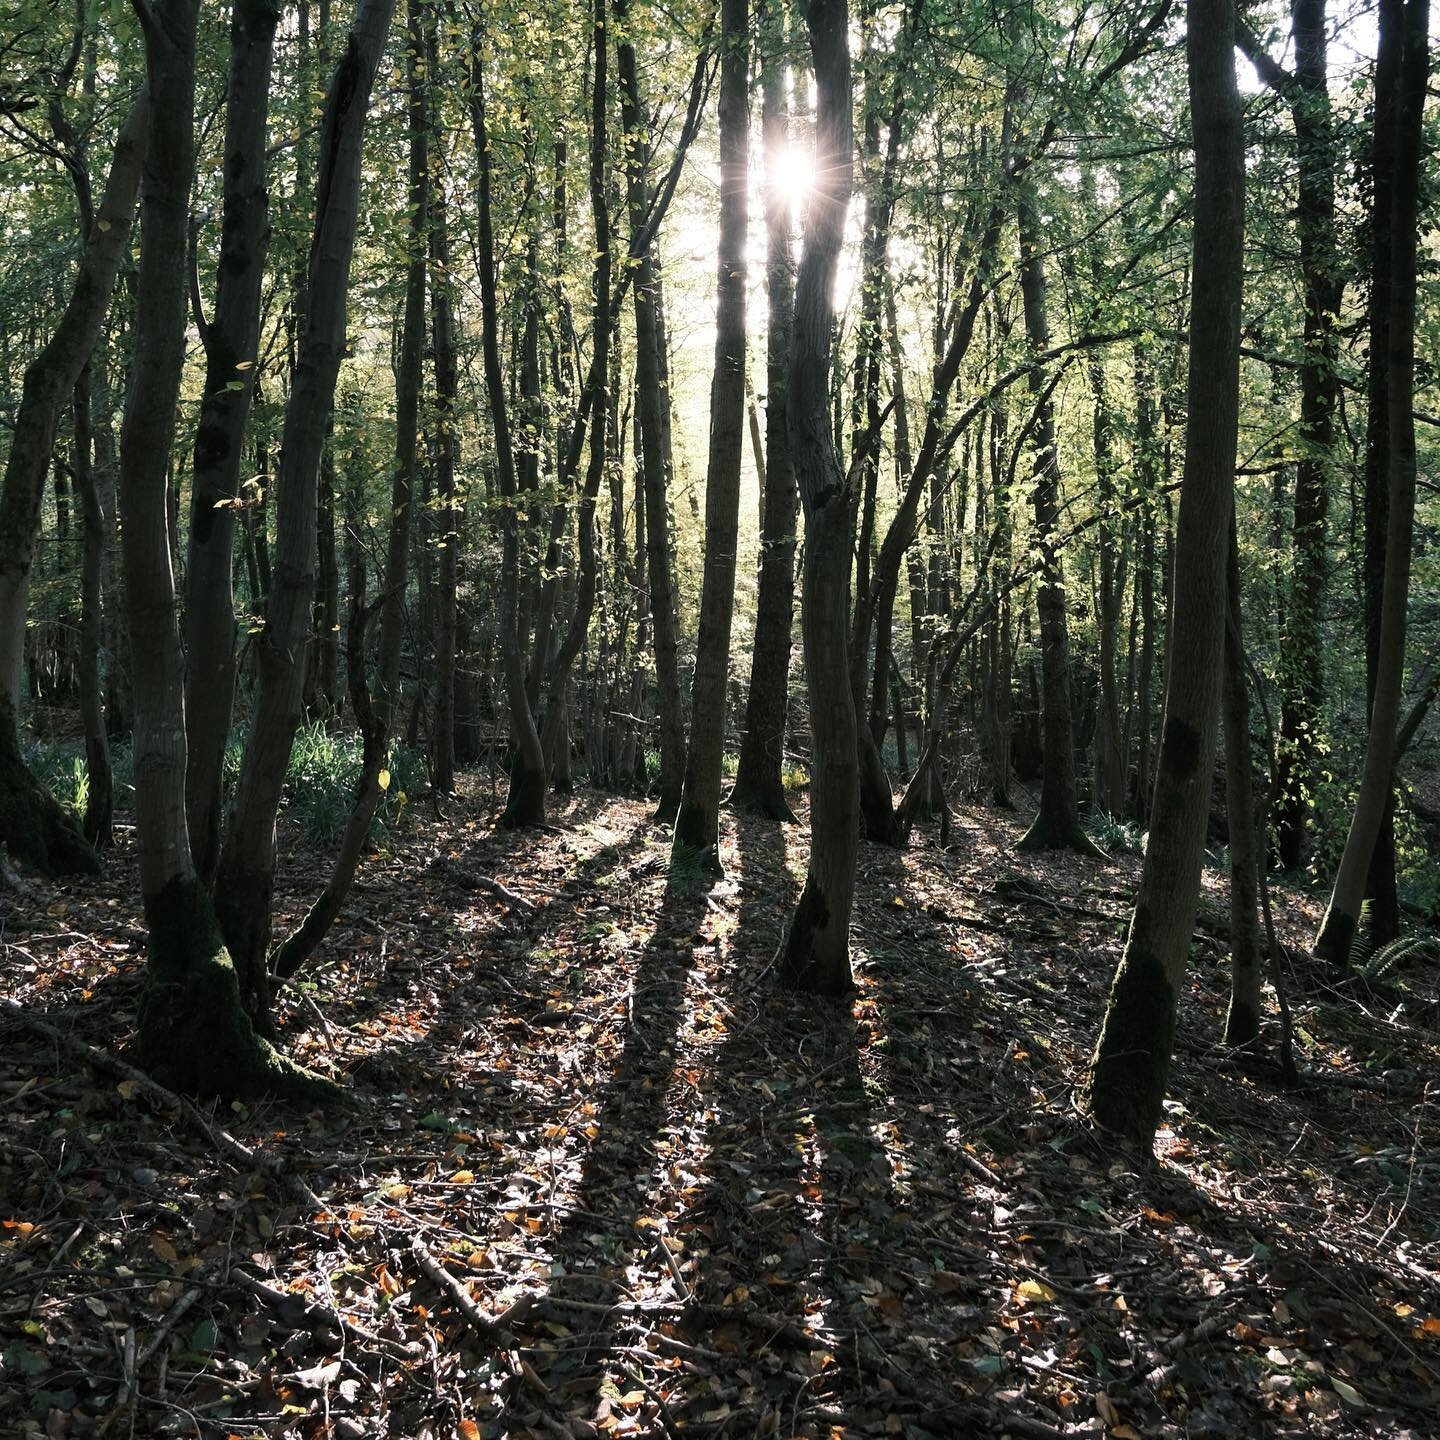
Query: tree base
[1336,937]
[525,804]
[1242,1026]
[766,800]
[1125,1092]
[812,958]
[34,826]
[194,1034]
[1048,833]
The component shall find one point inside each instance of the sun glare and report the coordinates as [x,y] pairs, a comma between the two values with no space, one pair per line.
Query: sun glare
[794,168]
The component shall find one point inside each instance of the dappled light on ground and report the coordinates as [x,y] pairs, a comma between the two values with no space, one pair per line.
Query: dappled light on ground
[718,1209]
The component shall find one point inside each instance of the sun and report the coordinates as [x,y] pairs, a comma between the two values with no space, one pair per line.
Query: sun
[794,169]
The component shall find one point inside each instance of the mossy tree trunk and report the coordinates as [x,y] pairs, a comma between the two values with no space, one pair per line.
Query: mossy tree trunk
[815,953]
[194,1032]
[1128,1073]
[697,824]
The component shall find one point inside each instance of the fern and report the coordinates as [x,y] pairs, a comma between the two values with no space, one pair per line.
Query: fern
[1385,960]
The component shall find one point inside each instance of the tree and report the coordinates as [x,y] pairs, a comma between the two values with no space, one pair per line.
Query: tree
[697,823]
[32,824]
[1337,931]
[1128,1072]
[815,953]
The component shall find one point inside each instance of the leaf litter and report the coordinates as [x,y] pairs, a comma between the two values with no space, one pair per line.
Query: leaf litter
[603,1178]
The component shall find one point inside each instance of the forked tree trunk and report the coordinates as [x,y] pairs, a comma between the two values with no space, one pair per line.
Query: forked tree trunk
[231,340]
[194,1033]
[246,876]
[33,826]
[815,953]
[1128,1073]
[759,784]
[1338,930]
[697,824]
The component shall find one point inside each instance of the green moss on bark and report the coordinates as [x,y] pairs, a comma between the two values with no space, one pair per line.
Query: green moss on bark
[1126,1088]
[34,826]
[194,1033]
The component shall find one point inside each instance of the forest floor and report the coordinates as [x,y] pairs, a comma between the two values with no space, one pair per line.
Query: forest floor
[722,1210]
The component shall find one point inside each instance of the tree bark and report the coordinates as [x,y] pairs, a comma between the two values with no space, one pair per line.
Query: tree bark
[1131,1064]
[759,784]
[100,787]
[1242,1020]
[194,1034]
[33,826]
[231,339]
[1337,932]
[815,953]
[525,804]
[698,821]
[1057,823]
[652,401]
[246,875]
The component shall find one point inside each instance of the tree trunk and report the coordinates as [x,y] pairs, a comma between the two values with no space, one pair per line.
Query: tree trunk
[1242,1020]
[447,454]
[1381,883]
[697,825]
[1338,930]
[759,785]
[653,404]
[231,339]
[99,795]
[32,824]
[815,953]
[246,875]
[525,804]
[1057,824]
[194,1034]
[1131,1064]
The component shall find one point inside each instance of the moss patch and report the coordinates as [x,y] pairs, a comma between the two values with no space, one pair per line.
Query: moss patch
[195,1035]
[34,826]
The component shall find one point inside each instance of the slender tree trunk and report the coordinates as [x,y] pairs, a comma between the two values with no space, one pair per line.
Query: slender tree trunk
[99,802]
[1338,929]
[1242,1021]
[1057,824]
[1381,882]
[697,824]
[246,875]
[759,785]
[1132,1059]
[447,454]
[231,339]
[653,405]
[815,953]
[32,824]
[525,804]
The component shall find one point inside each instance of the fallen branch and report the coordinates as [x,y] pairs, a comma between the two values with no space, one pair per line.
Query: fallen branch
[493,1330]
